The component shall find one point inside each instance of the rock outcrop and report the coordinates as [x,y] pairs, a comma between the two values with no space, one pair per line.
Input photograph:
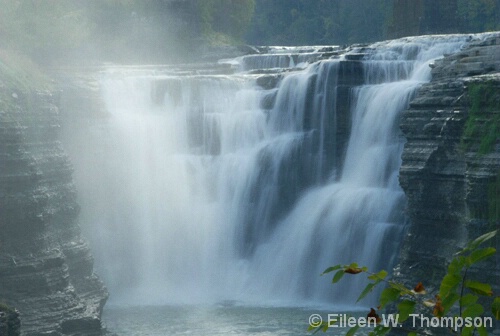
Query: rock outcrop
[46,269]
[451,162]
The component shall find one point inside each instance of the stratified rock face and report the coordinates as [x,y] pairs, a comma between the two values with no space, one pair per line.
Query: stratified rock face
[450,177]
[46,270]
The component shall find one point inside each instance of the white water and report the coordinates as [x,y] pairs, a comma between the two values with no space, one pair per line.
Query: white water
[203,196]
[284,57]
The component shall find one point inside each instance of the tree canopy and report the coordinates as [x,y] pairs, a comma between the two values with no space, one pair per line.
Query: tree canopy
[168,30]
[319,22]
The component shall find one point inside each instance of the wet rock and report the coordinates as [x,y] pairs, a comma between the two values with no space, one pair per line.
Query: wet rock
[267,102]
[269,81]
[445,181]
[355,56]
[46,269]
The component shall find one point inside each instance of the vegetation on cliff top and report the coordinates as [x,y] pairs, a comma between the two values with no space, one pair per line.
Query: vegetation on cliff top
[54,31]
[5,308]
[358,21]
[482,128]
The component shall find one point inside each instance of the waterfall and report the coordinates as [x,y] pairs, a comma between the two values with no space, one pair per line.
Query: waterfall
[201,188]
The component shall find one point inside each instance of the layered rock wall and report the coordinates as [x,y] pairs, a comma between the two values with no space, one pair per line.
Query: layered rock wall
[46,270]
[451,163]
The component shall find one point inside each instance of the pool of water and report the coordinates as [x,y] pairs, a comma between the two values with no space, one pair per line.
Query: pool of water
[213,320]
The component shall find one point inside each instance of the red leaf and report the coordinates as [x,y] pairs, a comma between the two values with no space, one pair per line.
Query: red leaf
[351,270]
[373,314]
[438,307]
[419,288]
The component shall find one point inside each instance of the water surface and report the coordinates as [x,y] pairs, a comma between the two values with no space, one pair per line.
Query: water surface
[213,320]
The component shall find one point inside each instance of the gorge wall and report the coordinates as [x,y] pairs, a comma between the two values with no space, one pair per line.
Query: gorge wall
[451,163]
[46,269]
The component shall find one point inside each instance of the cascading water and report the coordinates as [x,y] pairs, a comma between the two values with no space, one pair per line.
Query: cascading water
[198,189]
[283,57]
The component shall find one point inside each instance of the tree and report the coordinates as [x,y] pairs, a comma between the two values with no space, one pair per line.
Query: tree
[227,17]
[478,15]
[299,22]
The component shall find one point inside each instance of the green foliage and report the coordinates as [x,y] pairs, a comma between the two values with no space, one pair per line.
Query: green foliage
[389,294]
[457,297]
[162,30]
[495,308]
[122,30]
[406,308]
[478,15]
[230,18]
[480,129]
[494,199]
[296,22]
[5,308]
[377,278]
[490,209]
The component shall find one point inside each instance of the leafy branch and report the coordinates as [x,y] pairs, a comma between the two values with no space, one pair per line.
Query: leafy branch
[456,293]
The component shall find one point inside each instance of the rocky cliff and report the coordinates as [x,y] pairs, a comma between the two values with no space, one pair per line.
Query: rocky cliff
[451,162]
[46,269]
